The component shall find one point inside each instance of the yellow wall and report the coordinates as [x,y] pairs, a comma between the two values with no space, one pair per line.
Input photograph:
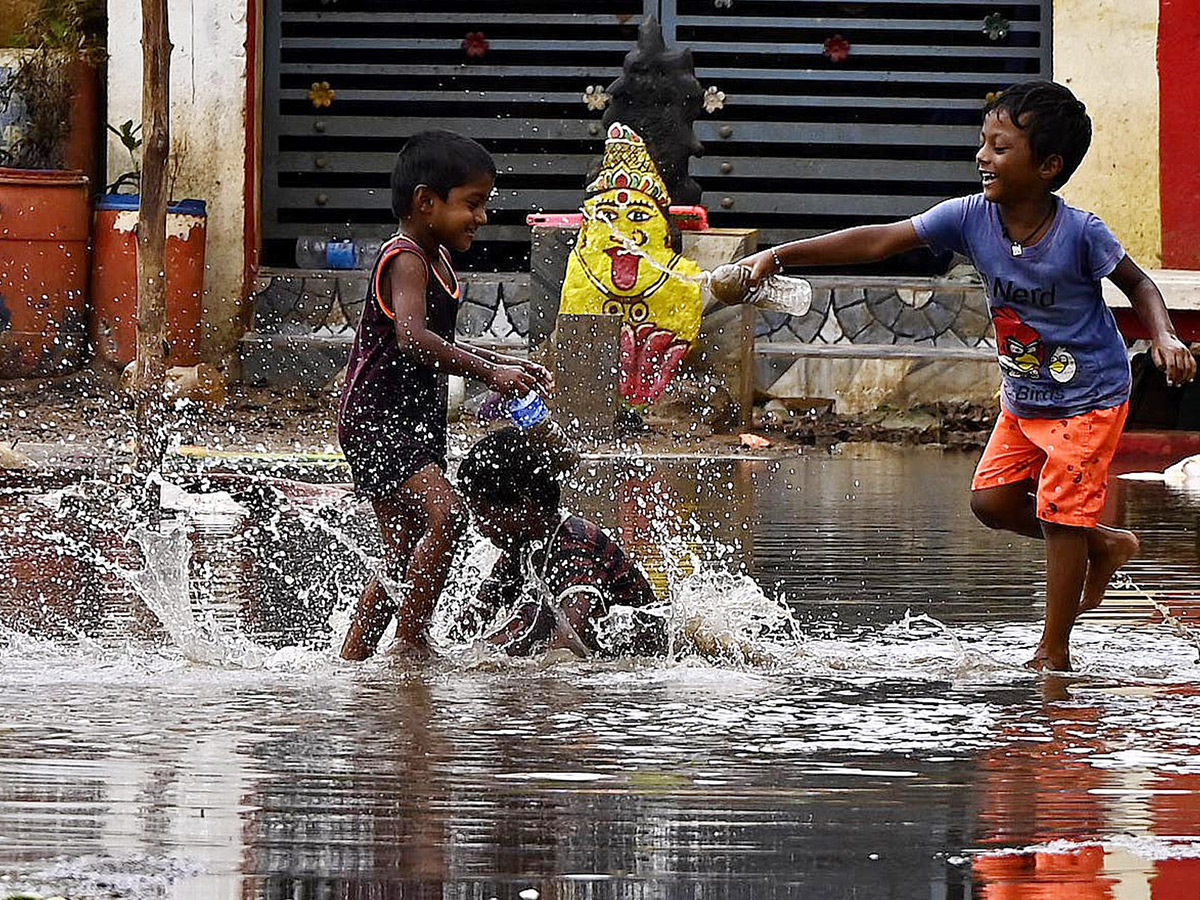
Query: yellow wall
[1105,51]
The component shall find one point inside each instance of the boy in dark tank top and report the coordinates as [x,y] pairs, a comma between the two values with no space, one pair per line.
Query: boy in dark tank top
[392,418]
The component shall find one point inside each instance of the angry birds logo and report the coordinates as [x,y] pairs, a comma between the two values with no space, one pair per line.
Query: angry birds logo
[623,263]
[1022,351]
[1019,346]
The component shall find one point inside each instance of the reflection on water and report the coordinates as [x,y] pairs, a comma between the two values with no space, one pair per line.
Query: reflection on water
[897,750]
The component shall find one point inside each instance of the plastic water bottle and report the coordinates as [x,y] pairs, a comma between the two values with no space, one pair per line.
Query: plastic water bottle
[367,250]
[783,293]
[730,284]
[341,255]
[531,414]
[310,252]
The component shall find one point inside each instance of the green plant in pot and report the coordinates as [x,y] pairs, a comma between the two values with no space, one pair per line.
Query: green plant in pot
[130,136]
[52,91]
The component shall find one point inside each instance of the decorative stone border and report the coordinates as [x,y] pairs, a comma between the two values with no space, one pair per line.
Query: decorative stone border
[304,301]
[304,320]
[932,312]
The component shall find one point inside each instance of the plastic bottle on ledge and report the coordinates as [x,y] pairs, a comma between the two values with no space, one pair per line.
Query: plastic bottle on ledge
[341,255]
[368,250]
[532,416]
[310,252]
[730,284]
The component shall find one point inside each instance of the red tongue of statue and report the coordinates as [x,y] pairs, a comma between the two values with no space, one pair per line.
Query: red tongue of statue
[624,268]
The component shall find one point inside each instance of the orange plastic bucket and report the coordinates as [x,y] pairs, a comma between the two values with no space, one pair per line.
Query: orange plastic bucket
[43,271]
[114,279]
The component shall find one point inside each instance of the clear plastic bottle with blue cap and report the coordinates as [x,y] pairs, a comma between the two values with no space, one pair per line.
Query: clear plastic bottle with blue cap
[531,414]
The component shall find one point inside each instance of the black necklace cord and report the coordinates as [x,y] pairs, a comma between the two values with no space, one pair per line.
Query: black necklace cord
[1018,246]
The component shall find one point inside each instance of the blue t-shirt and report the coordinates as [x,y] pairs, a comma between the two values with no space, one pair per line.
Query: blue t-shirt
[1060,351]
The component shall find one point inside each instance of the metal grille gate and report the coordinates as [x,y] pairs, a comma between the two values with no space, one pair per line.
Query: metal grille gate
[804,142]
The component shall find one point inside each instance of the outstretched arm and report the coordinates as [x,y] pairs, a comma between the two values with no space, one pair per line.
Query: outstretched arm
[1166,349]
[863,244]
[408,279]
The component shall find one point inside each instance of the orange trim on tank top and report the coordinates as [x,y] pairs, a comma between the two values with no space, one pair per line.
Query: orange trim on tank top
[405,244]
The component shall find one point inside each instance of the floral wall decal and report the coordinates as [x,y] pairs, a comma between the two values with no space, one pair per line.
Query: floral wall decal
[321,94]
[596,97]
[837,48]
[475,44]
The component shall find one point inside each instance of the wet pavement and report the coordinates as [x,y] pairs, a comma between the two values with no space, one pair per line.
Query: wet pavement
[214,747]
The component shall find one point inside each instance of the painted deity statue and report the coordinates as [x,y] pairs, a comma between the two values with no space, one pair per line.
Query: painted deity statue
[623,263]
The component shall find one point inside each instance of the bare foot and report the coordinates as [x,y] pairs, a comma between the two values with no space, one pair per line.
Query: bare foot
[1108,550]
[1045,661]
[369,622]
[409,652]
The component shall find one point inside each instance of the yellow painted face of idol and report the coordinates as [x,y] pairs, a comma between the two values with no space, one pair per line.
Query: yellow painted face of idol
[609,264]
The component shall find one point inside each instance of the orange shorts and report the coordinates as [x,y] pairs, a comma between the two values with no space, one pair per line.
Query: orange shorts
[1068,458]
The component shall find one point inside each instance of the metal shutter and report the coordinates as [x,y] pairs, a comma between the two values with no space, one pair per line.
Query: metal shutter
[400,67]
[807,144]
[802,144]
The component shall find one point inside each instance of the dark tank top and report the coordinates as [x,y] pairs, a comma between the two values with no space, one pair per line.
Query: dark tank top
[389,396]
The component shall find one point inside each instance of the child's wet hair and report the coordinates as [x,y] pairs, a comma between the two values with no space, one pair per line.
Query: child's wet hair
[443,160]
[1052,118]
[503,468]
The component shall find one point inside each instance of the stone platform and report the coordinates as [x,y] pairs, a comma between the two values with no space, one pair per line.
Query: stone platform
[866,342]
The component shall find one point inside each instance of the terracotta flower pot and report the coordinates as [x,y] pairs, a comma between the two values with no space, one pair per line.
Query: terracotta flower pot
[114,279]
[44,220]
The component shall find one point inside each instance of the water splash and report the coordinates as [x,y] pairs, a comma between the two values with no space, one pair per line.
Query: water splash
[713,612]
[1123,581]
[717,614]
[164,586]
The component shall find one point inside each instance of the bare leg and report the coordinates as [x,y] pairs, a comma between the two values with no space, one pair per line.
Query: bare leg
[1012,507]
[1066,568]
[443,521]
[1009,507]
[1108,550]
[398,525]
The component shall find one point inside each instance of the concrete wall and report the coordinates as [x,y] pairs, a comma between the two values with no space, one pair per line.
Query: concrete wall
[208,135]
[1105,51]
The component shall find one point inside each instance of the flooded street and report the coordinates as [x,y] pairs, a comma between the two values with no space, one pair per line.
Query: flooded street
[892,746]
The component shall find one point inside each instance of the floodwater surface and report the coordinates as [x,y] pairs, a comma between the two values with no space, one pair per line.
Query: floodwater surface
[846,715]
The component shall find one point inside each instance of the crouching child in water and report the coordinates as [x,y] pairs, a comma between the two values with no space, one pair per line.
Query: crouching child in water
[559,573]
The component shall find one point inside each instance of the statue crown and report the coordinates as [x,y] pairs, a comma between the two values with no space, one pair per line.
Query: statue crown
[628,164]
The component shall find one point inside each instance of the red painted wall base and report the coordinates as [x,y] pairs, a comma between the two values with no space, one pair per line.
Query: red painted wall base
[1178,101]
[1187,324]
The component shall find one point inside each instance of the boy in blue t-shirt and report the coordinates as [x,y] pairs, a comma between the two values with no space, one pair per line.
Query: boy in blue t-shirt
[1064,363]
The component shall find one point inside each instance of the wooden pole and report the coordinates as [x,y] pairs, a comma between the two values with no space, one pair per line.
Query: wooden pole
[747,375]
[151,363]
